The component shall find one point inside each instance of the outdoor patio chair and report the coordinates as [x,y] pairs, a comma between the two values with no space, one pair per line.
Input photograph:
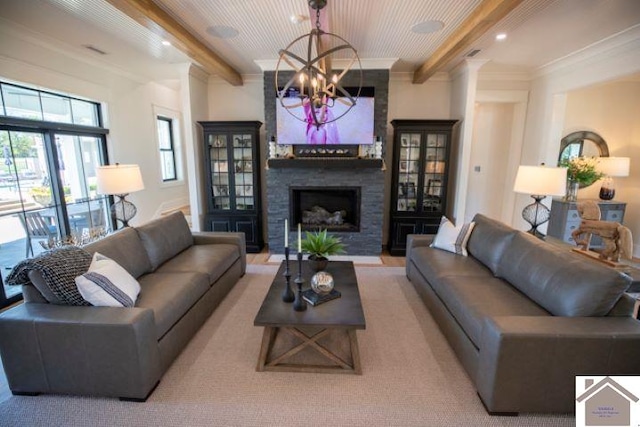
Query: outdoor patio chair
[37,228]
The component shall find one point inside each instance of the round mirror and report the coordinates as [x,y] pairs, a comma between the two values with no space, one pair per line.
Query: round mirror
[582,143]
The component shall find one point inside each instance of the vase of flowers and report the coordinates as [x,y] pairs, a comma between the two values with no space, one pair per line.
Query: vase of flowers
[581,172]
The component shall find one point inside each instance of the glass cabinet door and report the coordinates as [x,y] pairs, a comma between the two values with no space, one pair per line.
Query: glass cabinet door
[409,171]
[243,171]
[219,171]
[434,172]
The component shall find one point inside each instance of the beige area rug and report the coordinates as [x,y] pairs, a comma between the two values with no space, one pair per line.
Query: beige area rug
[410,375]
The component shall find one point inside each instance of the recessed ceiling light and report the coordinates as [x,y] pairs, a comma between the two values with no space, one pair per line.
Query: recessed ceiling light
[223,31]
[296,19]
[166,43]
[427,27]
[501,36]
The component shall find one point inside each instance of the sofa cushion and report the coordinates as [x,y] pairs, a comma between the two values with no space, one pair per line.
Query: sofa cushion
[473,299]
[212,260]
[563,283]
[165,237]
[170,296]
[451,238]
[489,240]
[433,263]
[53,273]
[107,284]
[125,248]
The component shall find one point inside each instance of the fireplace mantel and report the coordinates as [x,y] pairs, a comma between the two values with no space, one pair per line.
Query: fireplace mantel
[326,162]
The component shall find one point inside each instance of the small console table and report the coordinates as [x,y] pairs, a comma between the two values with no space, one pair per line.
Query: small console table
[565,218]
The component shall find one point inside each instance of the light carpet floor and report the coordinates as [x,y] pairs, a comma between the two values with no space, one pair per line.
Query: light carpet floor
[410,375]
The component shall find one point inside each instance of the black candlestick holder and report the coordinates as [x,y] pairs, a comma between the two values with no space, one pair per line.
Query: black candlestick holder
[299,304]
[287,294]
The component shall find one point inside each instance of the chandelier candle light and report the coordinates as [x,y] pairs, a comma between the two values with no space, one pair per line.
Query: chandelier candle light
[319,87]
[539,182]
[120,180]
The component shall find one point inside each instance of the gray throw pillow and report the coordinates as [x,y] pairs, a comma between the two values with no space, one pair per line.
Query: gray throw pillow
[58,269]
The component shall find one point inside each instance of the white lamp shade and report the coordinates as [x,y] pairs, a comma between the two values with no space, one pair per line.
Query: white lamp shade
[614,166]
[541,181]
[119,179]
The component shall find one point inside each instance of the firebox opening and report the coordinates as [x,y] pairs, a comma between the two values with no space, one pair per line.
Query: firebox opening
[331,208]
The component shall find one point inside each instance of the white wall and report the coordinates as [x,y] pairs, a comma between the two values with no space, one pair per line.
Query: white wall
[612,110]
[489,159]
[129,103]
[195,98]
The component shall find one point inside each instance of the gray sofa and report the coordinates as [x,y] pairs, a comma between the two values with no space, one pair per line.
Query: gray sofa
[47,347]
[525,317]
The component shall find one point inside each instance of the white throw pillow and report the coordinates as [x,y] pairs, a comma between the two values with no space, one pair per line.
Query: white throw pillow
[108,284]
[451,238]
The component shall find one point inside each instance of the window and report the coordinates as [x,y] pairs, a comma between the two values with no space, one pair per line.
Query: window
[47,174]
[167,149]
[27,103]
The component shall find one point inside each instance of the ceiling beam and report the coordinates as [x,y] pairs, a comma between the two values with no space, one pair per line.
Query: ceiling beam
[484,17]
[148,14]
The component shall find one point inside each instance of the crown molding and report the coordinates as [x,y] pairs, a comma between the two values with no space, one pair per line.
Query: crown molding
[627,40]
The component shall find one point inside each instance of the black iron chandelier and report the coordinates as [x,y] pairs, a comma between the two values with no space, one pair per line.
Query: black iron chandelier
[316,86]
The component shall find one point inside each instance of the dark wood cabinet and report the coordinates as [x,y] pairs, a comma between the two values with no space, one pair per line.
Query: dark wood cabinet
[421,164]
[232,177]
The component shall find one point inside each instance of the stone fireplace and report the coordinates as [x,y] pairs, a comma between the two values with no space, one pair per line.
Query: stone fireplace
[361,235]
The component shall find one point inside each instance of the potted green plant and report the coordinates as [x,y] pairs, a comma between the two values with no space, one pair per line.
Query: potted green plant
[320,245]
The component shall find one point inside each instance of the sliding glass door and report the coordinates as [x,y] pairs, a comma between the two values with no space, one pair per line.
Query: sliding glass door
[47,194]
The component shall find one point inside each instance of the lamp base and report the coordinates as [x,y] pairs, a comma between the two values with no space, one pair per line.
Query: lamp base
[607,191]
[123,210]
[536,214]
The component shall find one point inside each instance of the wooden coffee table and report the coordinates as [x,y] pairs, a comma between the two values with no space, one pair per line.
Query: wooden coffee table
[322,338]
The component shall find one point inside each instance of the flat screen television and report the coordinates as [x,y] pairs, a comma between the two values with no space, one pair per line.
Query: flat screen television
[354,128]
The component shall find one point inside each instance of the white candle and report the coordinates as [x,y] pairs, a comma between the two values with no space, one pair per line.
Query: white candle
[299,238]
[286,233]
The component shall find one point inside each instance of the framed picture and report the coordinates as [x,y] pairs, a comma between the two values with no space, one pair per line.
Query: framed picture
[404,166]
[220,167]
[220,191]
[434,188]
[408,189]
[434,167]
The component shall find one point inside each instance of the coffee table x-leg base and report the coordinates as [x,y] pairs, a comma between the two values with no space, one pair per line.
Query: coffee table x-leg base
[269,362]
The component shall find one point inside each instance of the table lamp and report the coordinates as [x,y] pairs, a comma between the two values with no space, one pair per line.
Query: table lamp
[120,180]
[610,167]
[539,182]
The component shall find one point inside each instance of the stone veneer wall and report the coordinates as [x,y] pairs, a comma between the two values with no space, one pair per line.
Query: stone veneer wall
[371,182]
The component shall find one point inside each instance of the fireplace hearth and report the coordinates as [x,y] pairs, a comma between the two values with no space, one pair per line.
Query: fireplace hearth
[331,208]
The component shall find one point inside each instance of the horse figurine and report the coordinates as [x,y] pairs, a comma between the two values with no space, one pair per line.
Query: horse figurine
[617,239]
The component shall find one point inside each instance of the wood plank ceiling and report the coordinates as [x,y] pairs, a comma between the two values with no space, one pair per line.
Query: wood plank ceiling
[160,19]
